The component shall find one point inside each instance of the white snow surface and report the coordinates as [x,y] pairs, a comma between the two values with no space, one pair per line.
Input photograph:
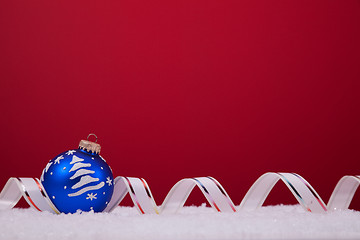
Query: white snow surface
[271,222]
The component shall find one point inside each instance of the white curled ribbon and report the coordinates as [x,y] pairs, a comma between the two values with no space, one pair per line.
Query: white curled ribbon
[28,188]
[139,191]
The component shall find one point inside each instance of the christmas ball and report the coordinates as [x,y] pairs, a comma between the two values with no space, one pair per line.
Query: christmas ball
[79,179]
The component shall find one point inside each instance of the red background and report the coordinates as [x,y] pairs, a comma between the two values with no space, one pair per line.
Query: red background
[176,89]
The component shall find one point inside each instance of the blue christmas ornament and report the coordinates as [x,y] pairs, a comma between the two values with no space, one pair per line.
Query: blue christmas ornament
[79,179]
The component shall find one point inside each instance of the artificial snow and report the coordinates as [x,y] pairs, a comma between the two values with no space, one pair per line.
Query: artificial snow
[271,222]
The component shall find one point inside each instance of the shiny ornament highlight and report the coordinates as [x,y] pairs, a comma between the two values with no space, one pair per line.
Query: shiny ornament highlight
[79,179]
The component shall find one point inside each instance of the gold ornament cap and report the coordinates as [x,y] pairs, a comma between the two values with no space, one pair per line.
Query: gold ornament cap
[90,146]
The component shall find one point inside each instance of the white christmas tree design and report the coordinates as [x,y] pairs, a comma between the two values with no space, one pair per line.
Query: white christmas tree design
[79,169]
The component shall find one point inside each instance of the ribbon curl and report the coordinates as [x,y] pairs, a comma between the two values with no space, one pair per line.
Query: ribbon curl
[139,191]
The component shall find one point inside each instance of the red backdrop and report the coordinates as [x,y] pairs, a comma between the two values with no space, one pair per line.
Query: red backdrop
[177,89]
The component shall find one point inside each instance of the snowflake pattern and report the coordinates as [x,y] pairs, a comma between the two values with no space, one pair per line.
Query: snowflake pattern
[91,196]
[109,181]
[57,160]
[70,152]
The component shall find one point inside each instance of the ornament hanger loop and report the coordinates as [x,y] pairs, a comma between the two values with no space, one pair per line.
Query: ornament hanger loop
[92,134]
